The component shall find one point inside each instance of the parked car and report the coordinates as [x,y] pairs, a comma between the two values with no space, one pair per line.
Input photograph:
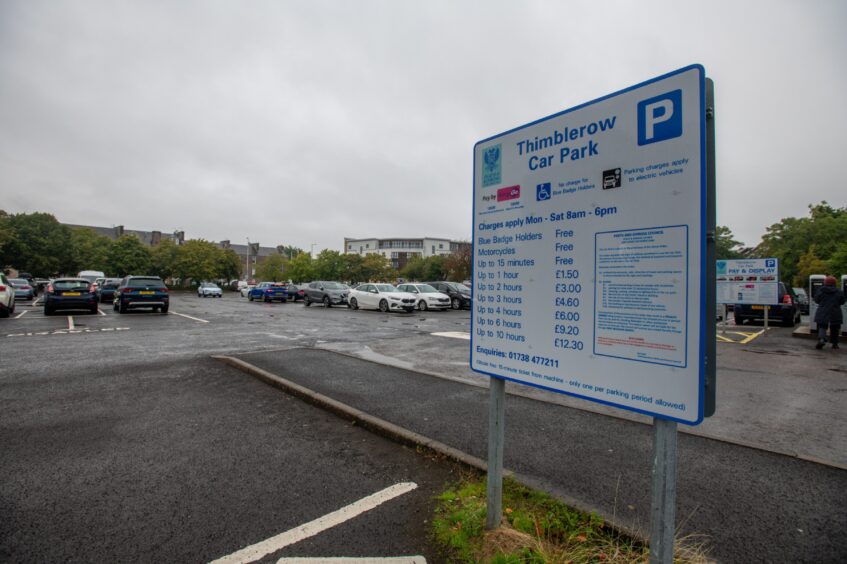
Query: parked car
[802,300]
[428,297]
[296,293]
[209,289]
[787,311]
[28,277]
[245,290]
[106,289]
[7,296]
[384,297]
[325,292]
[70,293]
[23,289]
[142,292]
[460,295]
[269,292]
[90,275]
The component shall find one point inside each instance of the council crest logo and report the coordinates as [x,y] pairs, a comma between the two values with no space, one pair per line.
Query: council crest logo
[491,165]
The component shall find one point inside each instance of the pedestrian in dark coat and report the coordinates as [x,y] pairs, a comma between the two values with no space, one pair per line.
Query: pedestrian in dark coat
[829,299]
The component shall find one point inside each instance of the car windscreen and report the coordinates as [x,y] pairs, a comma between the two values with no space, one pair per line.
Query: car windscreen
[18,282]
[386,288]
[331,286]
[110,284]
[143,282]
[426,289]
[71,284]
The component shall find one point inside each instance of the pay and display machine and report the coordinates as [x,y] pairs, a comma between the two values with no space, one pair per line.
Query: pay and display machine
[815,283]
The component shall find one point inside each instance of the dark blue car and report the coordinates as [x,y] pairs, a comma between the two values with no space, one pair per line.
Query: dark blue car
[70,293]
[269,291]
[142,292]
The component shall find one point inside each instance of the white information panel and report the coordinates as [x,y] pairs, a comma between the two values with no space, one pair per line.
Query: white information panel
[589,249]
[748,281]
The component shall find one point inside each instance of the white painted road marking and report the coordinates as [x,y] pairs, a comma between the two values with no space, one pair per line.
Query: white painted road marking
[454,335]
[100,311]
[67,332]
[70,323]
[312,528]
[21,314]
[189,317]
[343,560]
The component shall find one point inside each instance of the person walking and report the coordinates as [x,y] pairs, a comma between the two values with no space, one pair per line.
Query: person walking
[829,299]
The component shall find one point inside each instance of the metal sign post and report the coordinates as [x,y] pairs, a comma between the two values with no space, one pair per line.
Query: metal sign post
[496,432]
[663,503]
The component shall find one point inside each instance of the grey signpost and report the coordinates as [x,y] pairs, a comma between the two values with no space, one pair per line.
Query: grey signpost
[594,251]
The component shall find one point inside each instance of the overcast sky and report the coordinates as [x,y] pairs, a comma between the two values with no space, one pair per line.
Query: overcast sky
[304,122]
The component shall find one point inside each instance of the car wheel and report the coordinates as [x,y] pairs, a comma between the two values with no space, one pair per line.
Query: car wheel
[4,313]
[456,303]
[354,304]
[739,320]
[94,310]
[383,306]
[164,309]
[307,302]
[115,306]
[48,311]
[422,305]
[250,297]
[327,302]
[121,307]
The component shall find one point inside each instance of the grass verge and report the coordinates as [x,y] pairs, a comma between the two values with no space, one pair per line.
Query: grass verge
[536,528]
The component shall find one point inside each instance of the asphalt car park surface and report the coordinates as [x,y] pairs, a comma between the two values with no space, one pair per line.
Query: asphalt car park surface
[101,383]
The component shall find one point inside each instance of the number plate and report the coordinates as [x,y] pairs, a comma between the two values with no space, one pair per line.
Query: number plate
[146,293]
[71,294]
[757,307]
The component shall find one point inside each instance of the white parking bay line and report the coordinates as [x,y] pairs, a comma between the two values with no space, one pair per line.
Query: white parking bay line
[100,311]
[312,528]
[70,323]
[454,335]
[346,560]
[189,317]
[21,314]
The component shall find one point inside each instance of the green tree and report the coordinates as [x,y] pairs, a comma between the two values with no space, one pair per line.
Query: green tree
[197,260]
[128,256]
[90,250]
[376,267]
[39,244]
[838,262]
[272,269]
[726,246]
[300,268]
[457,265]
[229,265]
[353,268]
[7,233]
[825,229]
[289,251]
[329,265]
[164,258]
[808,264]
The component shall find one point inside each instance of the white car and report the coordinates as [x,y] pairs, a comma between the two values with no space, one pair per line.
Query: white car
[208,289]
[427,296]
[7,297]
[245,290]
[384,297]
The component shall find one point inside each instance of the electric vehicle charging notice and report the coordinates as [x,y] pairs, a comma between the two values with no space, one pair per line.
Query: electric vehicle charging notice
[589,250]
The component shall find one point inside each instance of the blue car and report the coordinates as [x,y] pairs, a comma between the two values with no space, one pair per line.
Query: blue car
[23,289]
[269,291]
[70,293]
[141,292]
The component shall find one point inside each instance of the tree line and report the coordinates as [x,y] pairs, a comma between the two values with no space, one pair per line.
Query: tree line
[816,244]
[37,243]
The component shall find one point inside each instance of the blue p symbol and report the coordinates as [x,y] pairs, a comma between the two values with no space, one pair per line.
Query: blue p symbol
[660,118]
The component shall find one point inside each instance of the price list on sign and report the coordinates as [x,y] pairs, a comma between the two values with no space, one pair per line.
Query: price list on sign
[588,250]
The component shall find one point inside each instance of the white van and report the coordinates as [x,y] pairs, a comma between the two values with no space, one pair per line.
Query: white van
[90,275]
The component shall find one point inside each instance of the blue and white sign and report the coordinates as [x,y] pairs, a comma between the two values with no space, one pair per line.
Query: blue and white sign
[589,281]
[748,281]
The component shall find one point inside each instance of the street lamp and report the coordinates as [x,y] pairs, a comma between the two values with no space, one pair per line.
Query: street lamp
[247,262]
[312,250]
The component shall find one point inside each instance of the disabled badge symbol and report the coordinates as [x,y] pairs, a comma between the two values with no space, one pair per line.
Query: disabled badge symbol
[542,191]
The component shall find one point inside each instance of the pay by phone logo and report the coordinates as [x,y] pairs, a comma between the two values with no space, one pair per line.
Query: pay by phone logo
[660,118]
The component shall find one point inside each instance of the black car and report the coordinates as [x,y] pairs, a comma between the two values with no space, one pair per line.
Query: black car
[802,300]
[296,293]
[70,293]
[787,311]
[460,295]
[141,292]
[107,288]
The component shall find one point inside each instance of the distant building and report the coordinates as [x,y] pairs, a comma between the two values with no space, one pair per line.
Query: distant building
[399,251]
[150,238]
[251,256]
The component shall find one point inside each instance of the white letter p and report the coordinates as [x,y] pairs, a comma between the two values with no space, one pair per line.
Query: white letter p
[656,113]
